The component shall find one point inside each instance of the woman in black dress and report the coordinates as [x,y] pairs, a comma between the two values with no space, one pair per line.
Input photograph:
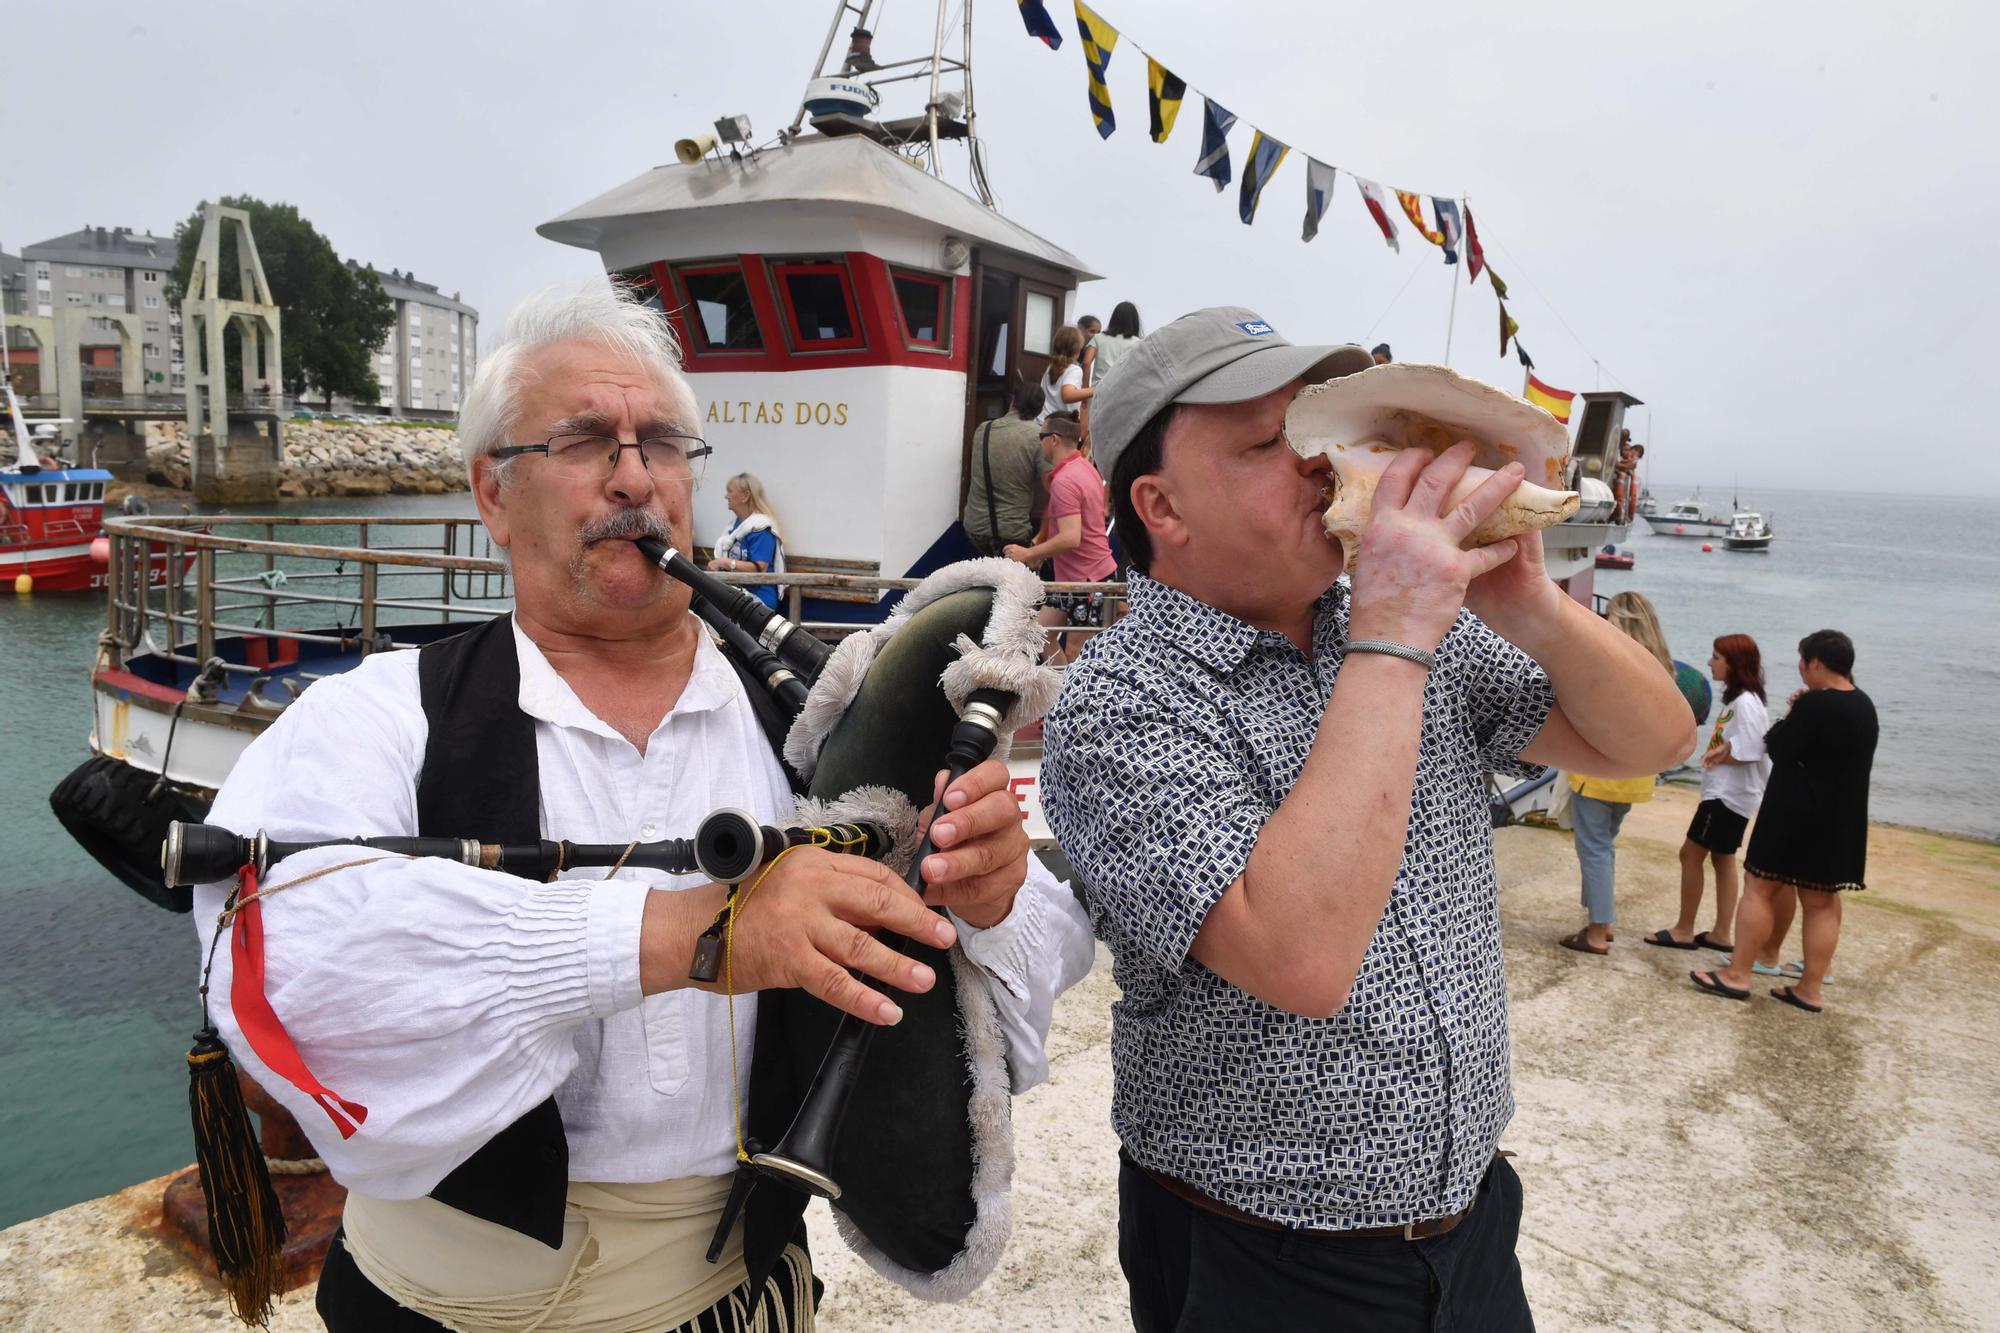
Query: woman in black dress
[1812,830]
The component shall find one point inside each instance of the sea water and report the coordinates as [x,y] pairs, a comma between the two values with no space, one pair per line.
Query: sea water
[97,986]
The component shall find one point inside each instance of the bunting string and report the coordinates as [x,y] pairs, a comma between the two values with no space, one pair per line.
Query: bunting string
[1449,225]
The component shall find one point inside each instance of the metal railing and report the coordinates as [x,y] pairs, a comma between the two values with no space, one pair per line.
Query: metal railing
[179,583]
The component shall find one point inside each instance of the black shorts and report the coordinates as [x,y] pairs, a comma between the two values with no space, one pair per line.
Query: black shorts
[1717,827]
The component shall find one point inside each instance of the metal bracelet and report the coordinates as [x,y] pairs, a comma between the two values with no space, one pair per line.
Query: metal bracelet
[1390,649]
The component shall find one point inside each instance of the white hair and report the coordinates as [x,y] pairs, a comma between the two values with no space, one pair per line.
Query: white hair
[598,312]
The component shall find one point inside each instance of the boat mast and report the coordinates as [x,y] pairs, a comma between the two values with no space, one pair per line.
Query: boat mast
[934,66]
[20,427]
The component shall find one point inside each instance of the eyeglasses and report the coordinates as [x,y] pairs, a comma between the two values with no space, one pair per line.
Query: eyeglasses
[671,457]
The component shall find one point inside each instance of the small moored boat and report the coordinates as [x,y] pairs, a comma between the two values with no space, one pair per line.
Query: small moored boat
[1748,531]
[1687,518]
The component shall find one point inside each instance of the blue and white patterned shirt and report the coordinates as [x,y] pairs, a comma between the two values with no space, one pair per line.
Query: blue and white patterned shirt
[1179,732]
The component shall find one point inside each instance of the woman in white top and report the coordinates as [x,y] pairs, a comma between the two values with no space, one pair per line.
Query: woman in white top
[1063,389]
[1109,347]
[1733,772]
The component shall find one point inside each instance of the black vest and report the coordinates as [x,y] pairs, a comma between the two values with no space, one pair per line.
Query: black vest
[481,780]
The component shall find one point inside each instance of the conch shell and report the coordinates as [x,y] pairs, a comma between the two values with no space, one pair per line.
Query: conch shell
[1361,421]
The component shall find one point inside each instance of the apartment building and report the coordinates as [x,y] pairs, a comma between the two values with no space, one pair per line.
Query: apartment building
[111,269]
[426,362]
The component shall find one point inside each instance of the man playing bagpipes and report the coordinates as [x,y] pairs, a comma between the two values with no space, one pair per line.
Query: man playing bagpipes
[536,1112]
[1271,786]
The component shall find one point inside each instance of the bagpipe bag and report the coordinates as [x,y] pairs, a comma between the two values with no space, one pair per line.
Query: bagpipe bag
[925,1155]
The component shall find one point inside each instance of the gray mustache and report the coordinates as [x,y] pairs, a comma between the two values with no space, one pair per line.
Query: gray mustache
[624,525]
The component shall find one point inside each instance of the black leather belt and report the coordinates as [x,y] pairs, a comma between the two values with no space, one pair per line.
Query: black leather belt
[1180,1189]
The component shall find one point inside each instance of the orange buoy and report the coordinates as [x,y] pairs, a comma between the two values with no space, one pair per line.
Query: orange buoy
[100,551]
[1707,546]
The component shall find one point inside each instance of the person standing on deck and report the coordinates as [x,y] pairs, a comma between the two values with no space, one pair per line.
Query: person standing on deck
[1074,537]
[754,542]
[1005,500]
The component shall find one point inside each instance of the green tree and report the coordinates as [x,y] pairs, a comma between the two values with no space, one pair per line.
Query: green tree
[334,315]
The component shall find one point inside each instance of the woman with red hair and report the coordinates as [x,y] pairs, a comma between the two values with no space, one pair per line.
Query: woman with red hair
[1734,770]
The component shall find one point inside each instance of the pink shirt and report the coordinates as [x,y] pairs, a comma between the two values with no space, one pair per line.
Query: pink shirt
[1076,488]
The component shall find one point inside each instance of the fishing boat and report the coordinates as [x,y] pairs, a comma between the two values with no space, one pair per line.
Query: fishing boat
[52,519]
[1748,531]
[1687,518]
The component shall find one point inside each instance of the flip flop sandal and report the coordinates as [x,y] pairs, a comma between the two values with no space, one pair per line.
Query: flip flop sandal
[1715,985]
[1581,943]
[1766,970]
[1665,939]
[1791,997]
[1797,968]
[1703,941]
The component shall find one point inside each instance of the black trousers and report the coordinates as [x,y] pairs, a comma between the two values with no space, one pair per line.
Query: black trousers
[1191,1270]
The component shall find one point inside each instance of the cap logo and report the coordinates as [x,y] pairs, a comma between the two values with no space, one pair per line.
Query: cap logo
[1256,328]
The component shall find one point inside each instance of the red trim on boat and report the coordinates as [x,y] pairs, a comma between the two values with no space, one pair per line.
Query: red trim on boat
[128,683]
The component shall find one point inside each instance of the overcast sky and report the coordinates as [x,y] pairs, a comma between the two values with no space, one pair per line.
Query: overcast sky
[1772,223]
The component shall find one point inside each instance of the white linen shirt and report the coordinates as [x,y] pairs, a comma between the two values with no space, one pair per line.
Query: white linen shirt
[450,1000]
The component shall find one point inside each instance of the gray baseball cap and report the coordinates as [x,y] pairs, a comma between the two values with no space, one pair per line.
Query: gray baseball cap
[1224,354]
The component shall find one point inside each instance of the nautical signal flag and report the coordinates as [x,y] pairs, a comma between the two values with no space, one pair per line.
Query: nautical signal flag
[1554,401]
[1449,227]
[1413,208]
[1098,39]
[1475,257]
[1522,353]
[1265,155]
[1214,160]
[1036,16]
[1499,287]
[1508,328]
[1163,98]
[1319,193]
[1378,208]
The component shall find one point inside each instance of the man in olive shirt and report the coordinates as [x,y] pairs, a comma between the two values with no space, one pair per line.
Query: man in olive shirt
[1003,505]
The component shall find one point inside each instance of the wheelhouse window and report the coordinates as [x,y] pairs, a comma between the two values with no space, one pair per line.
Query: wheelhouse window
[717,304]
[641,282]
[923,301]
[818,301]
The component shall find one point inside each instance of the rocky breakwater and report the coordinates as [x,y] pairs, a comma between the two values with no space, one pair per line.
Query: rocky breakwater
[335,458]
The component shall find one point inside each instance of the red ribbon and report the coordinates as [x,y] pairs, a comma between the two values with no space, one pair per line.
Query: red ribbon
[259,1022]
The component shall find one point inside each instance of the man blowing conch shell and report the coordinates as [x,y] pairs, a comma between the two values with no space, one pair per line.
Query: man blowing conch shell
[1270,782]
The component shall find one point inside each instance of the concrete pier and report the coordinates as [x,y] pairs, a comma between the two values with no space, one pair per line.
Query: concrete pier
[1689,1163]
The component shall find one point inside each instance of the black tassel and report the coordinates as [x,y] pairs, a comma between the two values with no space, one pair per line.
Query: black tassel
[246,1225]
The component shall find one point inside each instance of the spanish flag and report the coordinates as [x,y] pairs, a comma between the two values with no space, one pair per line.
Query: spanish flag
[1164,93]
[1265,155]
[1036,17]
[1554,401]
[1098,39]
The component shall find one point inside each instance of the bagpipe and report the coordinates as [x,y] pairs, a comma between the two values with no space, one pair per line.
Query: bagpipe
[906,1129]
